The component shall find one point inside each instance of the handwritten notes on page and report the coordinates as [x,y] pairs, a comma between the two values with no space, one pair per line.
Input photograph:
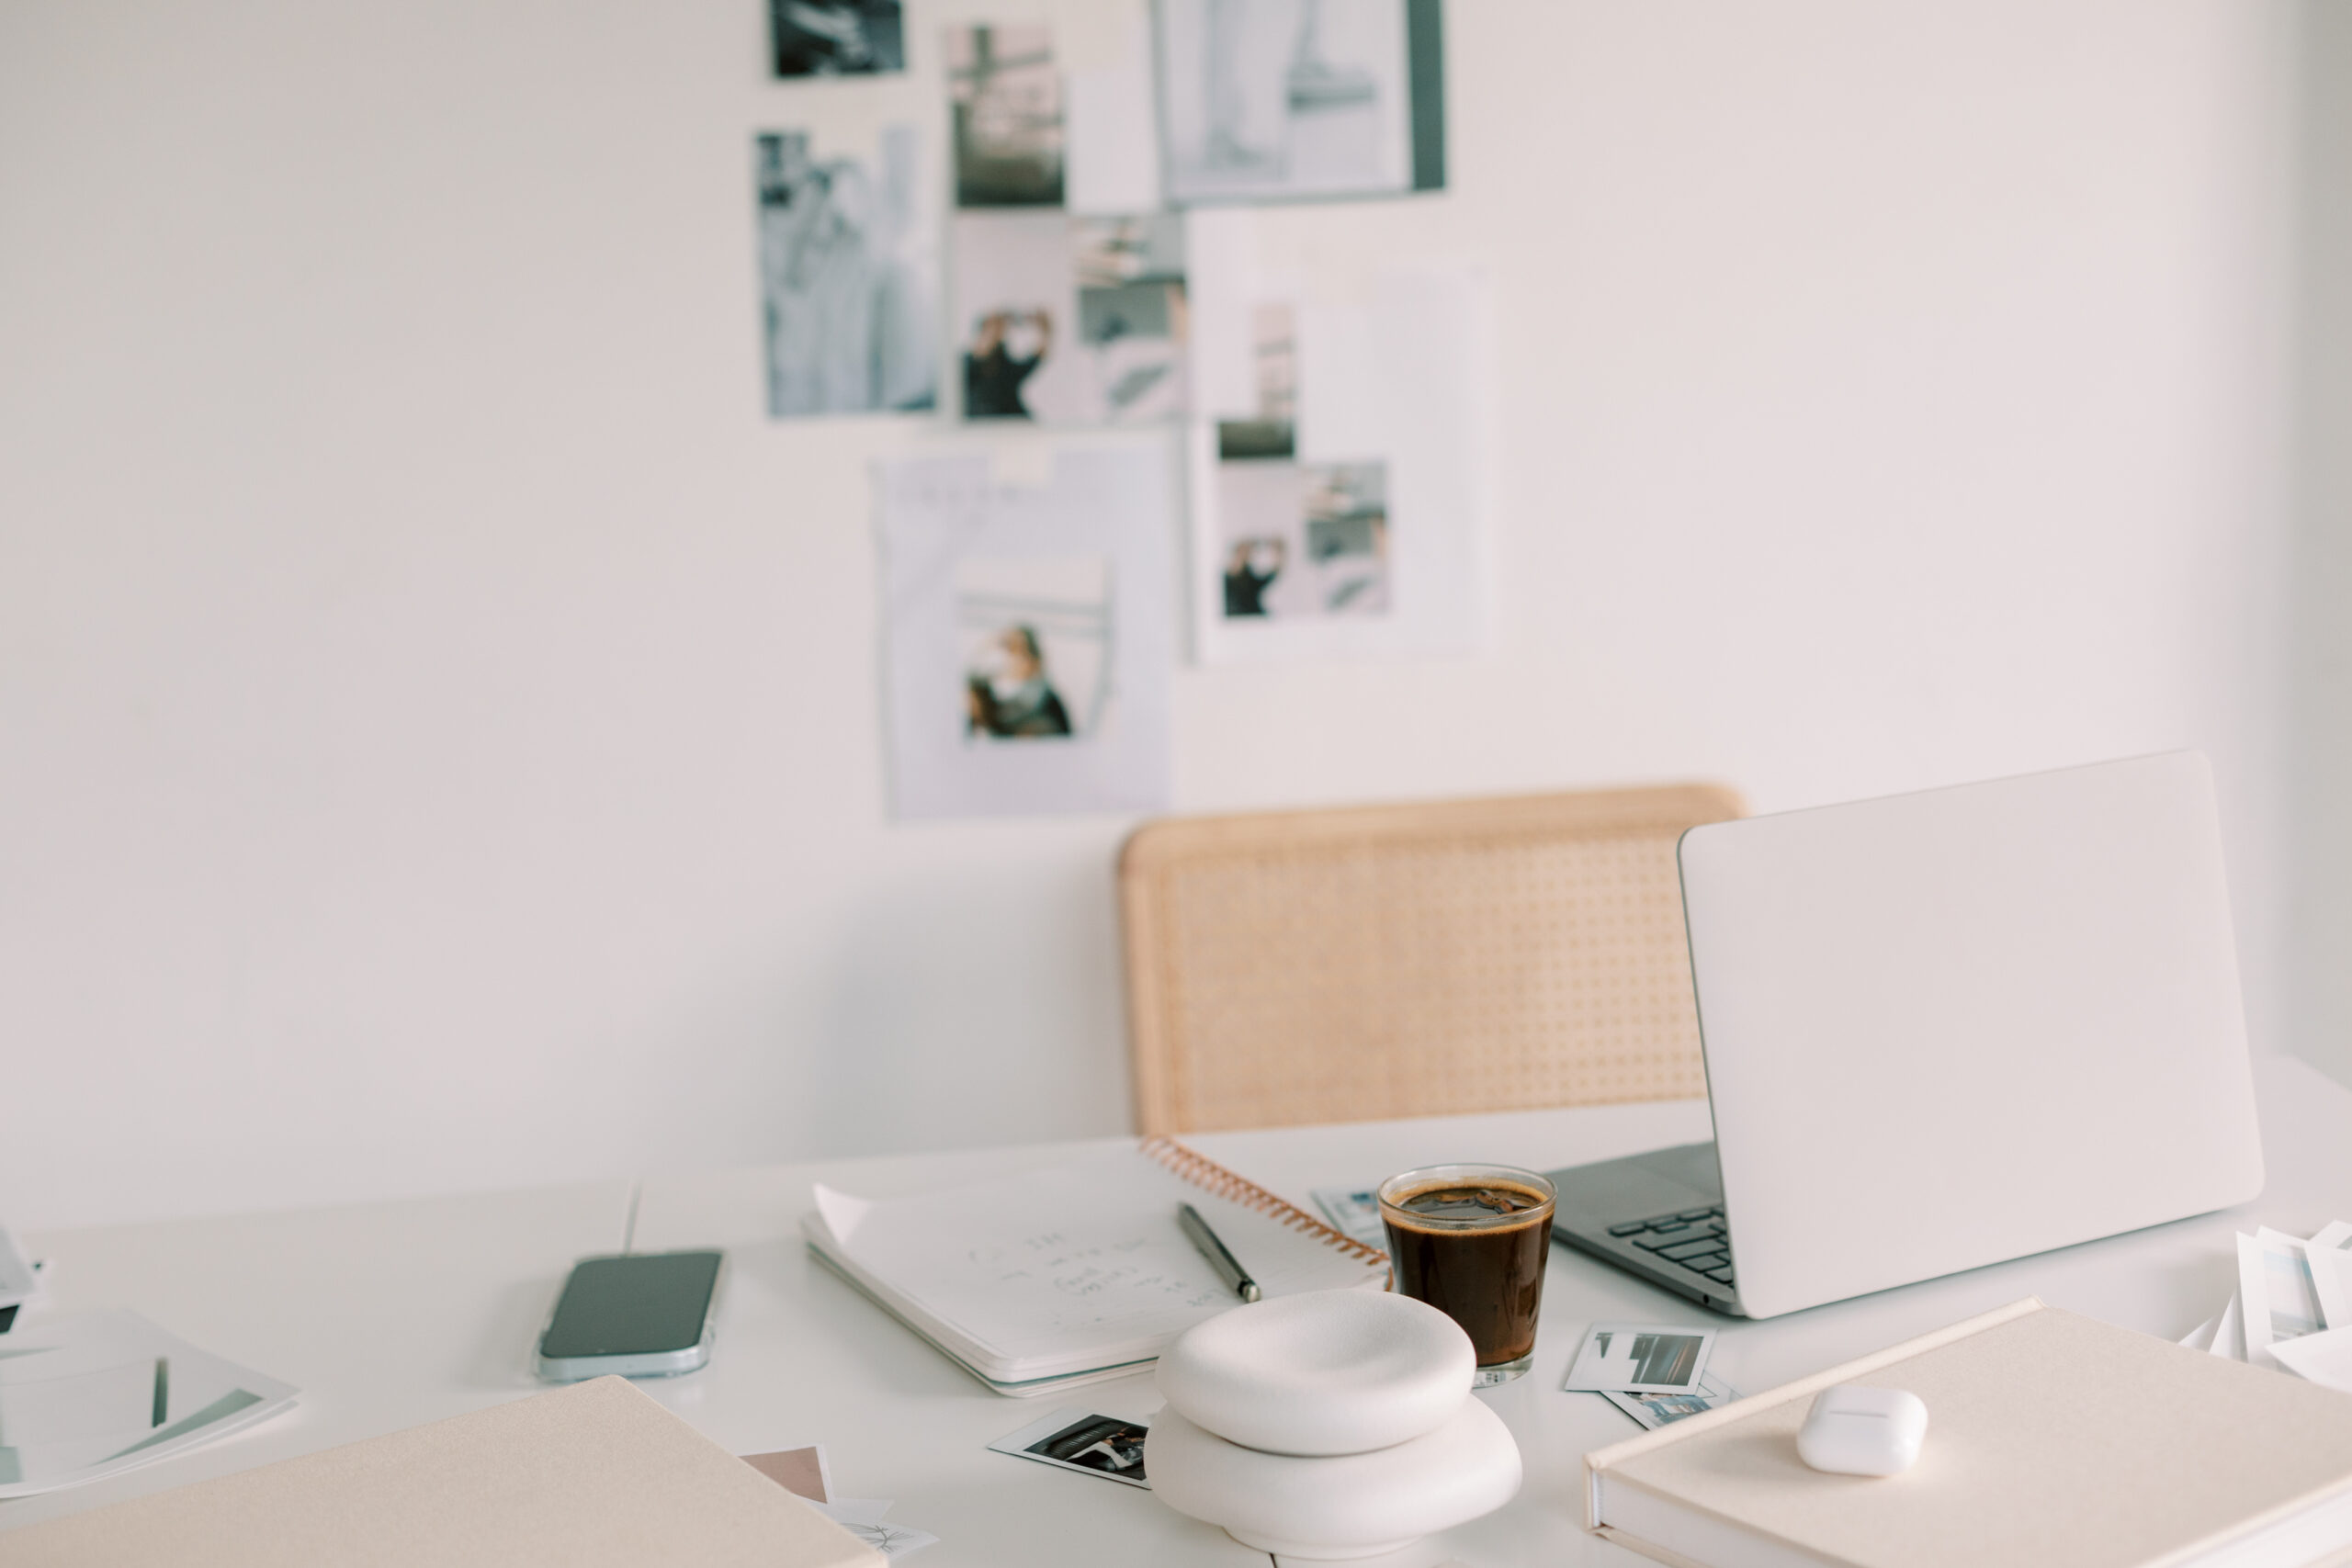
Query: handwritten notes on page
[1084,1254]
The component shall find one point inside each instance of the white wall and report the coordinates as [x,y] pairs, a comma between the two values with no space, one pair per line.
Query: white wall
[2318,830]
[438,734]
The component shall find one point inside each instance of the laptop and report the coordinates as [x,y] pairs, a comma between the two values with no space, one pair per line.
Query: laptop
[1943,1031]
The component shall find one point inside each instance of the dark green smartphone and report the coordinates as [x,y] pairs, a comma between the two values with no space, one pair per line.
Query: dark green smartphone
[640,1315]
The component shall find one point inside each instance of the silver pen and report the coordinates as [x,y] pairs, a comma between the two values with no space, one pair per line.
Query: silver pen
[1228,1266]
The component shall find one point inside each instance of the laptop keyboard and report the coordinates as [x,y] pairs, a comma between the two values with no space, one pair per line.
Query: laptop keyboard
[1695,1238]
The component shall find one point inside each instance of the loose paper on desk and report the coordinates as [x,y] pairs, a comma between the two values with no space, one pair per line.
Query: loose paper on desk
[863,1518]
[2278,1296]
[2326,1359]
[2229,1334]
[88,1394]
[2330,1253]
[1656,1410]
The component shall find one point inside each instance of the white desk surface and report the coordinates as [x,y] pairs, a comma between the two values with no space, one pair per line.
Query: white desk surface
[390,1315]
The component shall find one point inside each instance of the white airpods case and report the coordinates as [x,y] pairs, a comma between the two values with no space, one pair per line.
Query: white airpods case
[1853,1430]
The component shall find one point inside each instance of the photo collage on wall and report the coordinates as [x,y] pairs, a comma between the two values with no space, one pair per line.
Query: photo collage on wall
[1031,633]
[1297,539]
[995,236]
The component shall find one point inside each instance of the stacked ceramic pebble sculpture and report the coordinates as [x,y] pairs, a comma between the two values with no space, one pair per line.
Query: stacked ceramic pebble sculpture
[1327,1425]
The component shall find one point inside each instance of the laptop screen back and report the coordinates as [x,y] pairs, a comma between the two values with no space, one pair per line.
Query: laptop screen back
[1948,1029]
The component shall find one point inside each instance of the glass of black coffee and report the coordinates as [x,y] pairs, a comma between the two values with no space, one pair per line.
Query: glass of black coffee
[1471,1240]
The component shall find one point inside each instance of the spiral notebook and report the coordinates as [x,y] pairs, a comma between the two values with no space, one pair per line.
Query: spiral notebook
[1037,1282]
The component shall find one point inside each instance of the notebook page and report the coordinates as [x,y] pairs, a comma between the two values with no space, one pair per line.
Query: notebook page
[1080,1256]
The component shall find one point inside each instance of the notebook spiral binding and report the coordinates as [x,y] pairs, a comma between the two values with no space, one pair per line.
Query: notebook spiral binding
[1216,1179]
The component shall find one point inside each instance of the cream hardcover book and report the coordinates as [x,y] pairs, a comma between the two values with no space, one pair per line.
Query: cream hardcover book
[596,1475]
[2053,1441]
[1036,1282]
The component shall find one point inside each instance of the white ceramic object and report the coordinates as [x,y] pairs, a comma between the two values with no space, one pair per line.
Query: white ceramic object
[1342,1507]
[1853,1430]
[1329,1373]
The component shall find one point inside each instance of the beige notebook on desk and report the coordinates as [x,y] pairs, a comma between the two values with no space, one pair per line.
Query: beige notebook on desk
[2053,1441]
[596,1475]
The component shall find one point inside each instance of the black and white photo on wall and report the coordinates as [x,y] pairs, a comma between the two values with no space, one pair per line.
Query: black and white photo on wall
[1282,100]
[1301,540]
[1005,104]
[849,275]
[1071,321]
[1036,633]
[837,37]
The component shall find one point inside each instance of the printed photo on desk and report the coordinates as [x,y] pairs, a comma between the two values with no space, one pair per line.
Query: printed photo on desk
[1640,1357]
[1030,635]
[1071,321]
[1282,100]
[837,37]
[1656,1410]
[849,274]
[1109,1446]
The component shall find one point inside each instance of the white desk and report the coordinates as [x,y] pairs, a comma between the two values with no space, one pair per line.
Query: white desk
[392,1315]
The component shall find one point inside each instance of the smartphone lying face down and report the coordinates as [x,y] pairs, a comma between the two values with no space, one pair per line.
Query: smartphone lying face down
[640,1315]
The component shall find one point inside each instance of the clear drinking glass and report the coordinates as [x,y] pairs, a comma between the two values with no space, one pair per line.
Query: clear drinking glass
[1471,1240]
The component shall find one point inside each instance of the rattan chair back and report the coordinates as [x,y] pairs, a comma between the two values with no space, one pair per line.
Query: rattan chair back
[1377,962]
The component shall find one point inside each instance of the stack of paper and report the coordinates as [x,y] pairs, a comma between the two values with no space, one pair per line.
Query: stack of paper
[88,1394]
[2292,1308]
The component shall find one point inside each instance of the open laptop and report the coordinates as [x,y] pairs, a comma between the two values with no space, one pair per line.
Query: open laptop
[1942,1031]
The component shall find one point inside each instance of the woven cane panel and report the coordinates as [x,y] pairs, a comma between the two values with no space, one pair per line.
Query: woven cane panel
[1362,980]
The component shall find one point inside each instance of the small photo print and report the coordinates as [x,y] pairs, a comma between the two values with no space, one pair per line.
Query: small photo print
[1006,99]
[1639,1358]
[1279,99]
[1355,1213]
[1071,321]
[1108,1446]
[837,37]
[1273,369]
[1131,320]
[1036,640]
[1299,541]
[1656,1410]
[849,277]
